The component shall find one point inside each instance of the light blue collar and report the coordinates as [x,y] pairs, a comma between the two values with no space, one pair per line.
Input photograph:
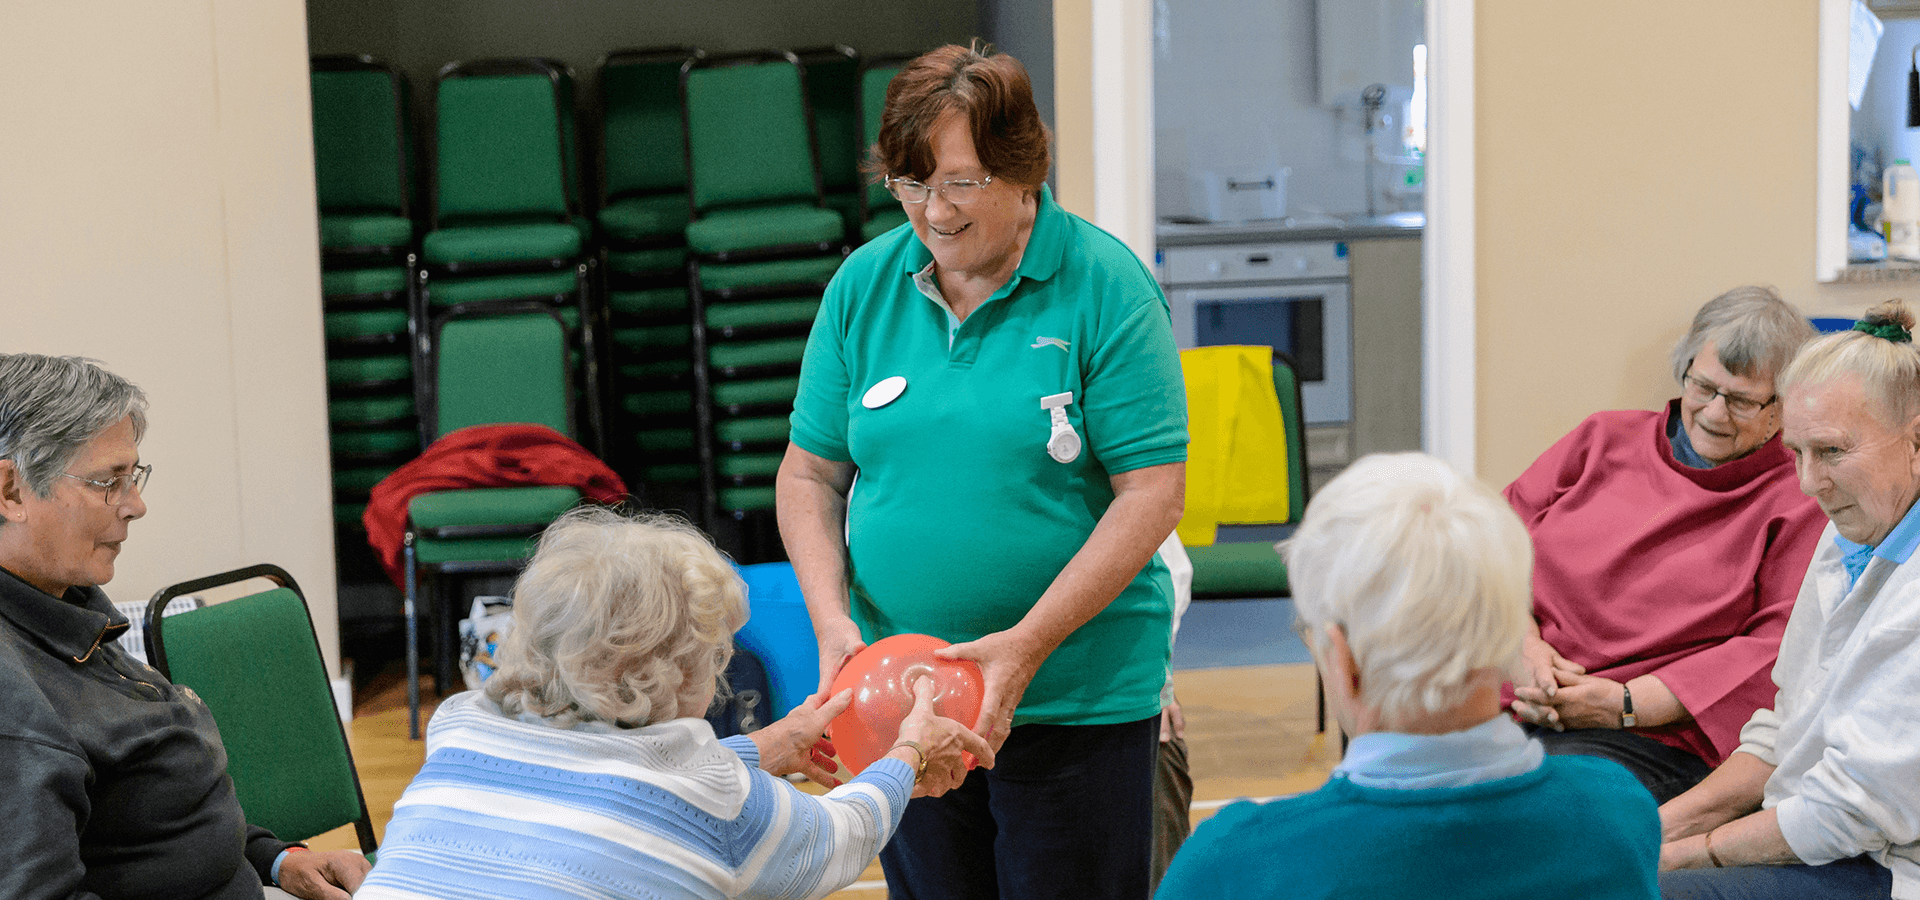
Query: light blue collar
[1489,751]
[1683,452]
[1897,548]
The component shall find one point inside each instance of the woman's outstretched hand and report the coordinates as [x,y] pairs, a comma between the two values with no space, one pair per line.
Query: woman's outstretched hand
[797,742]
[948,744]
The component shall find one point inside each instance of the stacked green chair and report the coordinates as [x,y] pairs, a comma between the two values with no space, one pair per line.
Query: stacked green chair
[362,178]
[763,246]
[643,251]
[833,95]
[879,212]
[256,663]
[488,363]
[506,220]
[1247,570]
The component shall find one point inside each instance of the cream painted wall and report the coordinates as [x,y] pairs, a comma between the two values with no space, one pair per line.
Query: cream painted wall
[1634,159]
[158,215]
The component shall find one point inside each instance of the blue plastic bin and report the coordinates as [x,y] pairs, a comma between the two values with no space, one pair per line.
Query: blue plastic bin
[779,632]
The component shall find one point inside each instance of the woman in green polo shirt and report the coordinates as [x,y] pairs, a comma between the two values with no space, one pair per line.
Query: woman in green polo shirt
[1001,376]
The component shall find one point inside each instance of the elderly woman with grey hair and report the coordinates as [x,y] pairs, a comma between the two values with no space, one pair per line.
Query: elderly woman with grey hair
[113,782]
[1410,583]
[1822,798]
[584,768]
[1668,548]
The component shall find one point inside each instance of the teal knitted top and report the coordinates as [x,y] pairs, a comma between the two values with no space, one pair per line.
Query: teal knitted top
[1574,827]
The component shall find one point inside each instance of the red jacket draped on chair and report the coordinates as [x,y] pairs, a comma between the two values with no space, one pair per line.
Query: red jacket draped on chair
[482,456]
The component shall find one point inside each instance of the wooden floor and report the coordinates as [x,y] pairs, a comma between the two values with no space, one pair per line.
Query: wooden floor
[1250,733]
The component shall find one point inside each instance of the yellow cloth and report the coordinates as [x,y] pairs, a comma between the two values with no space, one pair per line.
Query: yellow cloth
[1237,442]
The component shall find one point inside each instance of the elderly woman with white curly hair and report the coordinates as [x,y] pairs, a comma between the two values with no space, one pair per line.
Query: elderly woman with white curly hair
[1410,583]
[584,767]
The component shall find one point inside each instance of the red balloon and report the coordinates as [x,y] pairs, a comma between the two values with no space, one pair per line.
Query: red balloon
[882,678]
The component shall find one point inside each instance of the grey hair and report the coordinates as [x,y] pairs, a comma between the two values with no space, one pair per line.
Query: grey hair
[51,407]
[1754,332]
[1427,570]
[618,619]
[1889,372]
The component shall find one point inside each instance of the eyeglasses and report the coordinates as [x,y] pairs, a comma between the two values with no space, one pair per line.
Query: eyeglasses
[1703,392]
[116,487]
[960,192]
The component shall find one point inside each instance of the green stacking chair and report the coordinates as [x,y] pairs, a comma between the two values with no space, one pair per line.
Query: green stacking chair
[502,175]
[257,664]
[753,177]
[879,212]
[1251,569]
[642,222]
[833,96]
[490,363]
[506,220]
[643,160]
[763,246]
[504,223]
[360,162]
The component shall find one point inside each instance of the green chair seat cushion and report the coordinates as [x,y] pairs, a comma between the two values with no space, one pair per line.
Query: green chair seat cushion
[340,232]
[1250,569]
[746,498]
[349,282]
[657,301]
[882,222]
[751,431]
[756,391]
[384,441]
[502,243]
[361,369]
[654,337]
[359,480]
[535,505]
[640,218]
[674,473]
[658,403]
[364,323]
[804,270]
[657,369]
[658,259]
[757,353]
[764,313]
[747,465]
[657,440]
[452,290]
[470,550]
[750,228]
[369,409]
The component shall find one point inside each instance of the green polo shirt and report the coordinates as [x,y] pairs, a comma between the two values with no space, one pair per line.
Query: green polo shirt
[960,518]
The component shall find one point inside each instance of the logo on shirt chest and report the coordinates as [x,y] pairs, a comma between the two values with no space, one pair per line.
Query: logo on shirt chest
[1050,342]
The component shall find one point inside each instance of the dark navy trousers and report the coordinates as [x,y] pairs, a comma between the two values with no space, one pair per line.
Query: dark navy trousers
[1066,812]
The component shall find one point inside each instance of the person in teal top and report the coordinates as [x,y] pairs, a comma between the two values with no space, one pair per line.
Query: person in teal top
[1002,378]
[1411,584]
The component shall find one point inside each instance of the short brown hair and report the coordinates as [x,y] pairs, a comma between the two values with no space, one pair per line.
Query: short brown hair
[990,88]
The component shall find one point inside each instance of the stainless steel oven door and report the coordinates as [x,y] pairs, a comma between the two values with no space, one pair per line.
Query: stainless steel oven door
[1311,320]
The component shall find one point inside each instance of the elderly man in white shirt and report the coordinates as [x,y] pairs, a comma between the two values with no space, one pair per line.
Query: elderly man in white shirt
[1822,799]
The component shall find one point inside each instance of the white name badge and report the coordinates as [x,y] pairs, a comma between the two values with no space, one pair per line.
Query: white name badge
[884,391]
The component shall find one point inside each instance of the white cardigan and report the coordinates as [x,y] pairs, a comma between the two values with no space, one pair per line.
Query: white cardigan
[1844,731]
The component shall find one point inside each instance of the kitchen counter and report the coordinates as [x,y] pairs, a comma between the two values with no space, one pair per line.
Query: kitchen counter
[1291,229]
[1869,272]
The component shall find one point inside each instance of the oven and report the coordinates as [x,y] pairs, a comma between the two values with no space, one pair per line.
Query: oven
[1289,296]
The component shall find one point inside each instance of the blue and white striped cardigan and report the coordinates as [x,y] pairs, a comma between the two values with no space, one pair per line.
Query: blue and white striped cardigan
[506,807]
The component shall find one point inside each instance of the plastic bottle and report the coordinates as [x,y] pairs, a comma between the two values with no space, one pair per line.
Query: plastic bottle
[1900,212]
